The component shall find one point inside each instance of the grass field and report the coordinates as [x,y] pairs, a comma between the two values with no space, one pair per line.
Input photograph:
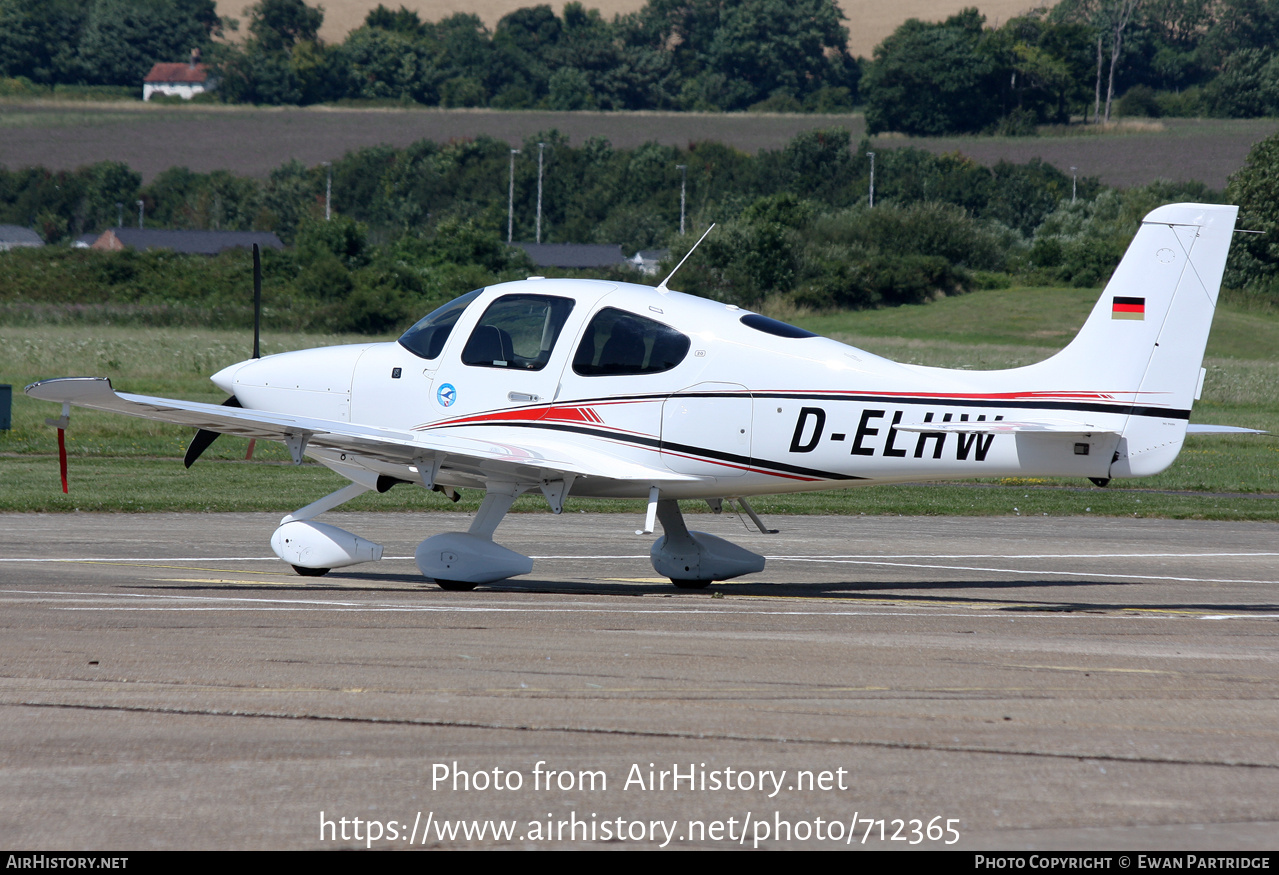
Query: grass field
[133,465]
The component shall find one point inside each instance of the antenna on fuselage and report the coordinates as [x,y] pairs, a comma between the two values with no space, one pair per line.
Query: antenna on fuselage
[662,286]
[257,302]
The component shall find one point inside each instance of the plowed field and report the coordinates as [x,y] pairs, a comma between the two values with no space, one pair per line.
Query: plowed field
[252,141]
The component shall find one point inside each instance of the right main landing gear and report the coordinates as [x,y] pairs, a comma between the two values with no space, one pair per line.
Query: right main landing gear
[460,561]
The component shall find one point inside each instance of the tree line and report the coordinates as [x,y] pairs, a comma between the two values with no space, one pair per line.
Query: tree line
[591,193]
[414,227]
[1166,57]
[1077,58]
[671,54]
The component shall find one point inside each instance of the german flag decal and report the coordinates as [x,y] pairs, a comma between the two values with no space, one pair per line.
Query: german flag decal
[1128,308]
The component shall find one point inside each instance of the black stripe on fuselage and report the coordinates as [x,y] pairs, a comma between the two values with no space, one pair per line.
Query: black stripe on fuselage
[998,403]
[949,401]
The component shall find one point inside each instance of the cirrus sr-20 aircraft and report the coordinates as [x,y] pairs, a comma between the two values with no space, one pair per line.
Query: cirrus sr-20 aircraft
[611,390]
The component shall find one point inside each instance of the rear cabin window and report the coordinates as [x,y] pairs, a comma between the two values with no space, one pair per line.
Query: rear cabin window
[427,338]
[618,343]
[518,332]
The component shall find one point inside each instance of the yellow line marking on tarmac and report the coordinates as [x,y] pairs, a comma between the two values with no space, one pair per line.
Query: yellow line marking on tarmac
[1048,608]
[889,597]
[298,582]
[1116,575]
[878,599]
[855,597]
[1098,670]
[114,564]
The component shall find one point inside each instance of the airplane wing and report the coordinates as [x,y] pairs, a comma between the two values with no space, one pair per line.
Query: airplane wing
[501,452]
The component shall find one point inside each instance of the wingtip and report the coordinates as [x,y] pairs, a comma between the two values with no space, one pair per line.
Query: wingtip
[67,388]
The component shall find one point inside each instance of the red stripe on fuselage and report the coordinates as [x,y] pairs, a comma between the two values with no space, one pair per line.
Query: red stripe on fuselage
[526,414]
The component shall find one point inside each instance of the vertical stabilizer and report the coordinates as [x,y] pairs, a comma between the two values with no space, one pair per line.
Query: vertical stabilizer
[1144,342]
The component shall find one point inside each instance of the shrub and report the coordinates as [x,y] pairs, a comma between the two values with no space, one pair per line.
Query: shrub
[1140,102]
[1254,258]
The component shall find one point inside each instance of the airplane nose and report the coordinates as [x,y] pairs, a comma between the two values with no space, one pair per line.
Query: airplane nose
[307,382]
[225,378]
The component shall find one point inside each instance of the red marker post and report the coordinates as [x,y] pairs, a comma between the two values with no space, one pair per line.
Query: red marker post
[61,424]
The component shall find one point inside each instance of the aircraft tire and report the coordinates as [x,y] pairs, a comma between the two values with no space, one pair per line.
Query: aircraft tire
[455,585]
[690,584]
[311,572]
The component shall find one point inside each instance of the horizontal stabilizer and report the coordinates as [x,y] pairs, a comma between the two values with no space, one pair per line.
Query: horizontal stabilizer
[1003,426]
[1222,429]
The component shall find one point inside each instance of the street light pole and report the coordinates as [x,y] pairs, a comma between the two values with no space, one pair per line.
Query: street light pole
[540,148]
[328,191]
[139,215]
[683,185]
[510,199]
[1074,182]
[872,178]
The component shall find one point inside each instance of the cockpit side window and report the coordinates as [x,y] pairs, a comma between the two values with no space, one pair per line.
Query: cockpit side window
[617,343]
[517,331]
[427,338]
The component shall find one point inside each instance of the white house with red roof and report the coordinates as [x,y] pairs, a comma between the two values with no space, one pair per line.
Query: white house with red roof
[180,80]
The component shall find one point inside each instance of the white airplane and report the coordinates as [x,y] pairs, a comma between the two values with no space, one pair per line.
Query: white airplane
[612,390]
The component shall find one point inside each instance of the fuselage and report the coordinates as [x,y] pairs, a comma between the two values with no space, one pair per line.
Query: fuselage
[745,404]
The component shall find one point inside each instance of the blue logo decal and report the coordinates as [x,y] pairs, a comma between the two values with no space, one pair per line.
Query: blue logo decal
[446,395]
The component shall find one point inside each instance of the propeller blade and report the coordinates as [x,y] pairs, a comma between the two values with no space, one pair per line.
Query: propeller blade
[204,437]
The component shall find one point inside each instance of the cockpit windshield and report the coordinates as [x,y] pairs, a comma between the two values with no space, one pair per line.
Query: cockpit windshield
[427,338]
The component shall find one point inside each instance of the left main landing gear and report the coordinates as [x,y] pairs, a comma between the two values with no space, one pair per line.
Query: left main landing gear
[313,549]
